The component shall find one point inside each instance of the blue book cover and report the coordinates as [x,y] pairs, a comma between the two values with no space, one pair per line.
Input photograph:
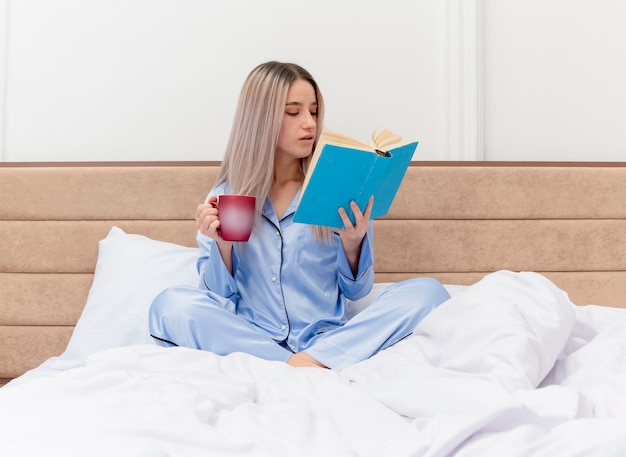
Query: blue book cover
[340,174]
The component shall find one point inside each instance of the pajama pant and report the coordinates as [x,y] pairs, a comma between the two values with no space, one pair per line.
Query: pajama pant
[196,318]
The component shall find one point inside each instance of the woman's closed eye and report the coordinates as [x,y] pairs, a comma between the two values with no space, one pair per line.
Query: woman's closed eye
[295,113]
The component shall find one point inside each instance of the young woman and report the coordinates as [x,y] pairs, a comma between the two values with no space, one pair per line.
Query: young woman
[282,295]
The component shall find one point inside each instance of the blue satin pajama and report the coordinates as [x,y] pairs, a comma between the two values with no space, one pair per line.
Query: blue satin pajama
[288,294]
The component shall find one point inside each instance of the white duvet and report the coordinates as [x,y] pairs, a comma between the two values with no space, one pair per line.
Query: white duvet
[507,367]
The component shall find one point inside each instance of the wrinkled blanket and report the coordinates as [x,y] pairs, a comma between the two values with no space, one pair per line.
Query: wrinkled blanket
[507,367]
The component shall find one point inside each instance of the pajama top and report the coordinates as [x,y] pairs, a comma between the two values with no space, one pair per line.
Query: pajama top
[284,280]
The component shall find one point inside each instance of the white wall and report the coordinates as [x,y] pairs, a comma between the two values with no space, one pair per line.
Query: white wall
[555,80]
[158,79]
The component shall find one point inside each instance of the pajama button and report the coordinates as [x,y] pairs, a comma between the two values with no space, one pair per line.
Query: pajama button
[283,327]
[273,278]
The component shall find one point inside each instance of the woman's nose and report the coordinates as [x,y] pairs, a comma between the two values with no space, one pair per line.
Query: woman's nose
[310,121]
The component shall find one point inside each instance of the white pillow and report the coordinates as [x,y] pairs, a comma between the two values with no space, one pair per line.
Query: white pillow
[356,306]
[131,270]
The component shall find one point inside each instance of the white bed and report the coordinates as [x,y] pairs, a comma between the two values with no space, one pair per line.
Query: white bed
[507,367]
[511,365]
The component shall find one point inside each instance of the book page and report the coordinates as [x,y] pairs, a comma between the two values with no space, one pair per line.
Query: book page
[385,139]
[381,141]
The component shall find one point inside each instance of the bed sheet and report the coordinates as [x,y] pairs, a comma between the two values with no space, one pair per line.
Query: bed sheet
[508,366]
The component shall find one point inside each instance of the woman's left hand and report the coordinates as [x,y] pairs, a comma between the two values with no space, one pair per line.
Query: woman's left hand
[352,235]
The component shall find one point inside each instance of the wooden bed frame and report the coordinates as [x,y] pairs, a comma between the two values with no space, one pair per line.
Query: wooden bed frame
[456,221]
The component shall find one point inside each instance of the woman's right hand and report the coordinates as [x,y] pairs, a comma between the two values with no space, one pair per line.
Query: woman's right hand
[208,220]
[208,223]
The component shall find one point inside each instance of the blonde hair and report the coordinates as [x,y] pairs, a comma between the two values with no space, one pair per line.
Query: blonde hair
[248,161]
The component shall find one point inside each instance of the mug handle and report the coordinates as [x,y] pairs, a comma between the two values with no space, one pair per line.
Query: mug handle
[216,206]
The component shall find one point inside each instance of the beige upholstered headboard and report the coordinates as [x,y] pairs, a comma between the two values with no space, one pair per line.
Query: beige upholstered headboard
[455,221]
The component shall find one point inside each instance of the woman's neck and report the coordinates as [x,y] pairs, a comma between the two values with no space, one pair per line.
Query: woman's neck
[286,172]
[285,185]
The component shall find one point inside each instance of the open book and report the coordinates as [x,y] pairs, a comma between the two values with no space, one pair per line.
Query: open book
[344,169]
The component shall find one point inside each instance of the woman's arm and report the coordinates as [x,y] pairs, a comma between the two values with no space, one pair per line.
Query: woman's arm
[217,261]
[356,262]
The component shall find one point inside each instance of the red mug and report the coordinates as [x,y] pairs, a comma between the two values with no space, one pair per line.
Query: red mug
[236,213]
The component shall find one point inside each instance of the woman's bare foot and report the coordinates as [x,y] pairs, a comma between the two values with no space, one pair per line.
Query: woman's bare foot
[302,359]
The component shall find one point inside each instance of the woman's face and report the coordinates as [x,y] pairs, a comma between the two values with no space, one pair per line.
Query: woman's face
[299,126]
